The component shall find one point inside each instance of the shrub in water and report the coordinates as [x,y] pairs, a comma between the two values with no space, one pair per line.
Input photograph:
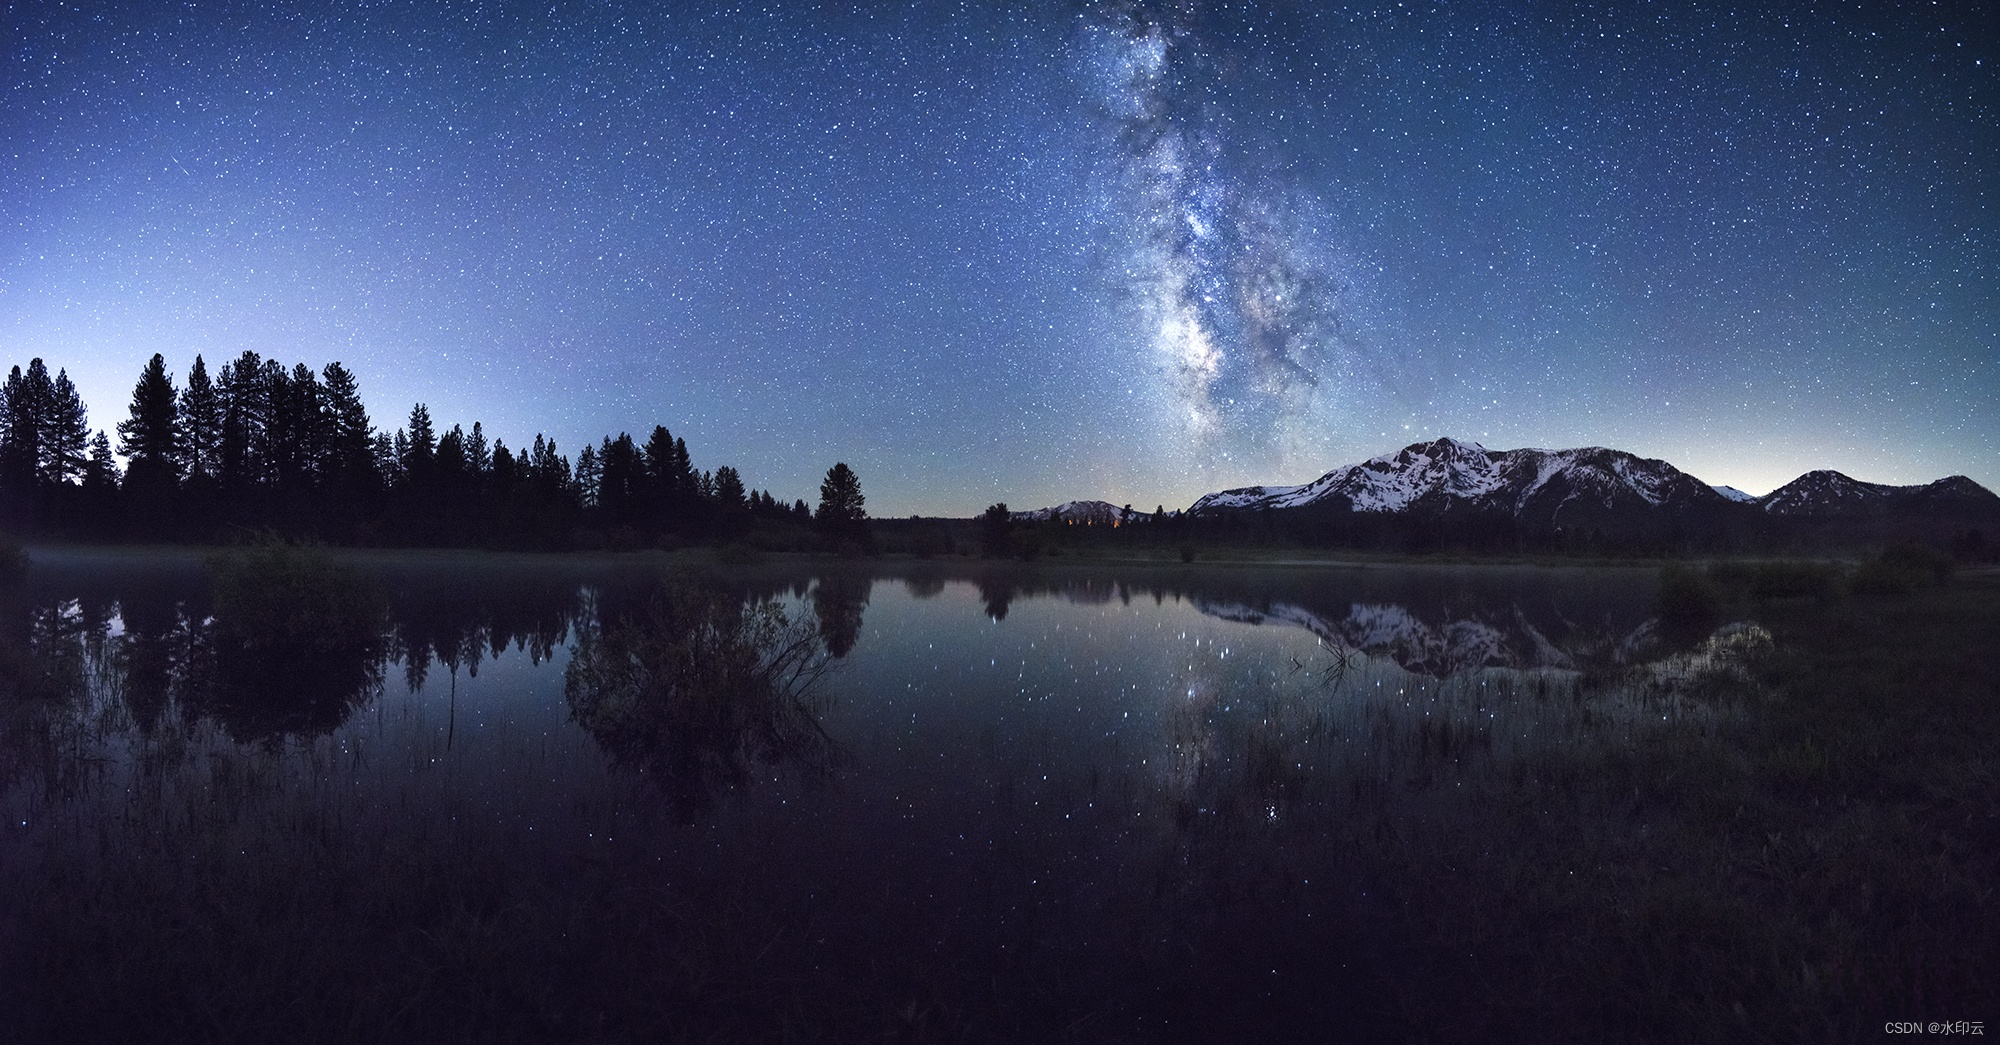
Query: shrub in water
[699,689]
[298,640]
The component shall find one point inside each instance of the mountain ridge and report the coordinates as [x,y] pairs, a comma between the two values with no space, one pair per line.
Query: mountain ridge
[1452,486]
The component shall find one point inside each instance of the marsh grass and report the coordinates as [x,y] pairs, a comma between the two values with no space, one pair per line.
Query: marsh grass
[1788,833]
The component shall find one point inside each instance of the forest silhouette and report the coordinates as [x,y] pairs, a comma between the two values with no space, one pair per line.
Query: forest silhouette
[260,446]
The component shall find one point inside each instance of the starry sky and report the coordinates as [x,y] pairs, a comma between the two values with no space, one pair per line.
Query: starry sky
[1132,251]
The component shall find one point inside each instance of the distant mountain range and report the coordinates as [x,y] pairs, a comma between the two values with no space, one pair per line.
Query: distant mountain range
[1455,491]
[1086,513]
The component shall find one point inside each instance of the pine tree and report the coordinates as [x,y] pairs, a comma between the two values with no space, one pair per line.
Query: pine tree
[388,458]
[728,488]
[149,438]
[350,459]
[296,435]
[589,477]
[478,456]
[200,417]
[27,404]
[66,442]
[621,480]
[451,461]
[660,499]
[245,408]
[995,527]
[420,449]
[840,500]
[505,473]
[100,472]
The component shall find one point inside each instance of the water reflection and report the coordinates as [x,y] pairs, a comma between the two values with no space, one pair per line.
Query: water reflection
[277,642]
[1128,805]
[701,690]
[838,601]
[1435,623]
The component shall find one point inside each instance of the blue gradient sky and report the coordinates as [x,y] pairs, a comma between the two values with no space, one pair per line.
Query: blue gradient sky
[1043,252]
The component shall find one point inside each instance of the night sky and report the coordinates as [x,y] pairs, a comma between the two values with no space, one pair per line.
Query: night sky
[1132,252]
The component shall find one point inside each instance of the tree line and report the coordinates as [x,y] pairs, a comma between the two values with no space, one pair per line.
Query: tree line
[259,446]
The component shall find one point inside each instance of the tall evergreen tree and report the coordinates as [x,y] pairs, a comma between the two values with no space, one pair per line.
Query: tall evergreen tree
[27,407]
[397,468]
[840,501]
[503,471]
[621,480]
[658,455]
[149,438]
[245,408]
[728,489]
[589,476]
[295,433]
[478,457]
[100,472]
[200,417]
[388,458]
[421,447]
[66,441]
[349,460]
[451,458]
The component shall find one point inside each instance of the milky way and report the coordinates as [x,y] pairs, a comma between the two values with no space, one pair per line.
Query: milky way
[1241,307]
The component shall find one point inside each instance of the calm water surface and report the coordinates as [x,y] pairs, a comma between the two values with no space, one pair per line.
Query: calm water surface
[1066,803]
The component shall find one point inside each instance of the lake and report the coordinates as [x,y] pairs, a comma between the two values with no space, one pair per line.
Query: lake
[461,797]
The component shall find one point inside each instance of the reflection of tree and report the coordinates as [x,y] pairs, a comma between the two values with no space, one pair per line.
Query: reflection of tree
[998,593]
[44,673]
[698,688]
[154,652]
[924,587]
[838,601]
[298,642]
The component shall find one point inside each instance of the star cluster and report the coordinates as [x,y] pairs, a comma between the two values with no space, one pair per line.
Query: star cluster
[1135,251]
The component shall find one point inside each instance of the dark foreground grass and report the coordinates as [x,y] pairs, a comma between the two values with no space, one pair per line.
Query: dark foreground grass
[1804,847]
[1790,834]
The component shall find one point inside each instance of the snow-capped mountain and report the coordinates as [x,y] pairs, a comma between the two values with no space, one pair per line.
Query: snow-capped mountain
[1822,491]
[1452,477]
[1828,505]
[1462,491]
[1826,492]
[1082,513]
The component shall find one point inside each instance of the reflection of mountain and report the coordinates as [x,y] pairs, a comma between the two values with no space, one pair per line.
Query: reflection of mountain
[1433,620]
[1451,646]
